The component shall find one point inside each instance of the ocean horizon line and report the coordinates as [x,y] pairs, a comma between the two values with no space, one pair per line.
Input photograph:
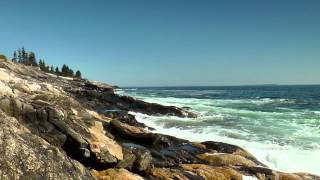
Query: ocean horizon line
[248,85]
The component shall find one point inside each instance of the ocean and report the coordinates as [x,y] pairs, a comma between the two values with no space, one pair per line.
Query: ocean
[280,125]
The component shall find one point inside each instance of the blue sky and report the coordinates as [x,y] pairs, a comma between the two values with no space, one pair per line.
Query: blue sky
[171,42]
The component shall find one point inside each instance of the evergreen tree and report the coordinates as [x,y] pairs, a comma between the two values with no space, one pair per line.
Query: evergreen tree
[42,65]
[19,56]
[52,69]
[70,73]
[78,74]
[32,59]
[64,70]
[15,57]
[24,56]
[46,69]
[57,71]
[26,59]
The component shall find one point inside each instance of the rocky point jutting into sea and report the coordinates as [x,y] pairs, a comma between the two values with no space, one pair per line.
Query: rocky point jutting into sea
[55,127]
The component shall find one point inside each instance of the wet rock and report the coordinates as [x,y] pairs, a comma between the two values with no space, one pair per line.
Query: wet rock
[221,147]
[167,151]
[125,130]
[177,154]
[142,136]
[130,104]
[123,116]
[116,114]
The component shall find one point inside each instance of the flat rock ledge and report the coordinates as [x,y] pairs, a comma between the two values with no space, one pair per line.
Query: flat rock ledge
[60,128]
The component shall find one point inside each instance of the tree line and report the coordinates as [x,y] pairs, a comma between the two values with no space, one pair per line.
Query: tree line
[29,58]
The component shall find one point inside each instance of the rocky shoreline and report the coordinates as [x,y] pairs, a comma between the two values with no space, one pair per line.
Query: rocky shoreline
[63,128]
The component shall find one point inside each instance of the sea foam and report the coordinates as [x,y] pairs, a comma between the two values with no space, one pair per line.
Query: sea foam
[278,128]
[282,158]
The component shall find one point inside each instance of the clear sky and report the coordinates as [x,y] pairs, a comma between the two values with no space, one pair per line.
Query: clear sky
[171,42]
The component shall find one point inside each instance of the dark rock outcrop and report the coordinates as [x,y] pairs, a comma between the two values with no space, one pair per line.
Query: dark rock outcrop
[136,157]
[131,104]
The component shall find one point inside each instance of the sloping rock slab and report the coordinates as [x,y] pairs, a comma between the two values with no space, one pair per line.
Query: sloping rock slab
[24,155]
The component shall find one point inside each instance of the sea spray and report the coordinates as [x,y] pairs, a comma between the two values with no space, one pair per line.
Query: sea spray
[279,125]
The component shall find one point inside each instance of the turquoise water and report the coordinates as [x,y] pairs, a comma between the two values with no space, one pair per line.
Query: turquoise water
[280,125]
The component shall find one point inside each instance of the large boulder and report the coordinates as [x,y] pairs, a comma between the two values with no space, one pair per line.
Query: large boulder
[221,147]
[105,149]
[136,157]
[25,155]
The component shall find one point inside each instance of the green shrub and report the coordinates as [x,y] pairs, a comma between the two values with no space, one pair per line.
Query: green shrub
[3,57]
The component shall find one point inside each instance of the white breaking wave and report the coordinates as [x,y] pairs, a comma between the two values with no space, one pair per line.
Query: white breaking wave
[249,178]
[284,139]
[282,158]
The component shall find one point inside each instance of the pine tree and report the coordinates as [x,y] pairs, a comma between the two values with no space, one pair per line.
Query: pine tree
[42,65]
[70,73]
[32,59]
[26,59]
[19,56]
[64,70]
[46,69]
[78,74]
[15,58]
[24,56]
[57,71]
[52,69]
